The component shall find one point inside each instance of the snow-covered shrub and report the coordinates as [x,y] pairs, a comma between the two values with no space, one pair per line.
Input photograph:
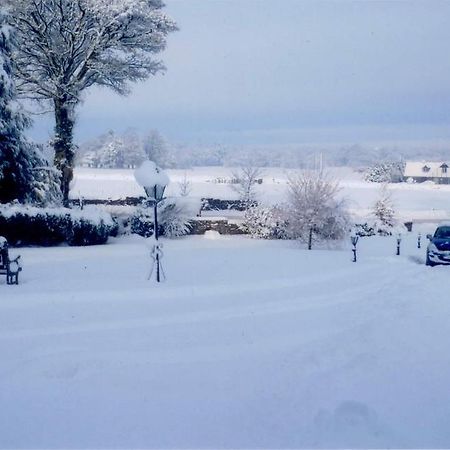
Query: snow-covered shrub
[364,230]
[385,172]
[313,211]
[141,222]
[335,226]
[174,218]
[384,213]
[265,222]
[84,231]
[27,225]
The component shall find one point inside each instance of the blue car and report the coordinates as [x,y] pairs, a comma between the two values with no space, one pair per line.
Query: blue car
[438,250]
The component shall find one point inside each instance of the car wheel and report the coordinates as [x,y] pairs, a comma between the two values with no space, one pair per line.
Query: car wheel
[428,262]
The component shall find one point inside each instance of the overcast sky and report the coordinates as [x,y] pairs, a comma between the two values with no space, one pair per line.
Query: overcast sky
[267,71]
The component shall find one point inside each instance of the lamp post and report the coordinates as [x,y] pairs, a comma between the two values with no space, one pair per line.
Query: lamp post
[354,238]
[399,240]
[419,237]
[154,181]
[158,195]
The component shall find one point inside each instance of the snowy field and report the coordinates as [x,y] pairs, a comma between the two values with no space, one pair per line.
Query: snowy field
[249,344]
[416,202]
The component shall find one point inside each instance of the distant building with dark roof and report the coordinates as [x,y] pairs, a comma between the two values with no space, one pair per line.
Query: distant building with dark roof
[427,171]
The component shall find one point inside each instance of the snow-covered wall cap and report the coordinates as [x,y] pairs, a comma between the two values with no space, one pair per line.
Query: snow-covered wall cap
[149,175]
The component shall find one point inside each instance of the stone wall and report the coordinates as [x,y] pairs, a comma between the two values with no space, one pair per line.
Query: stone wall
[222,226]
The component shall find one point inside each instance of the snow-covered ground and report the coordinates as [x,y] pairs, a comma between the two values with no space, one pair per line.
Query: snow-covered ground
[249,344]
[417,202]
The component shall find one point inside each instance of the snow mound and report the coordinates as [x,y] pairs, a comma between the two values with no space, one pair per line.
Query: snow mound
[212,235]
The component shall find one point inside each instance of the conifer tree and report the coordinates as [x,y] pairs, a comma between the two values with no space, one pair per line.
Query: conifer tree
[24,172]
[384,212]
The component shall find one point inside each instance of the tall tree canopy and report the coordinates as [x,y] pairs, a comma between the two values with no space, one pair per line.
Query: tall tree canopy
[67,46]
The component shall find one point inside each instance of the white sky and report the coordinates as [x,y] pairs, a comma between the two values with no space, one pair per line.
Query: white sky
[291,70]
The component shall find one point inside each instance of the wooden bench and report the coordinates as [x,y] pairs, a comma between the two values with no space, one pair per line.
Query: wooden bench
[8,267]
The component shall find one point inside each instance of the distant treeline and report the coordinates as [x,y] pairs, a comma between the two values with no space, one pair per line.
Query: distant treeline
[129,149]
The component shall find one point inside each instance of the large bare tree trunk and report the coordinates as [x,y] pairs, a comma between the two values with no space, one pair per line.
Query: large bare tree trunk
[63,144]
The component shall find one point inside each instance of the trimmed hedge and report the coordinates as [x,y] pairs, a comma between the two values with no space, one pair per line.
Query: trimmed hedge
[26,225]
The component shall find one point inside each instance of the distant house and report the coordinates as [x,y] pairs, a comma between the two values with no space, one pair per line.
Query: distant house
[438,172]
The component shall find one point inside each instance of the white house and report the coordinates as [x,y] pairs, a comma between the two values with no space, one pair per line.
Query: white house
[427,171]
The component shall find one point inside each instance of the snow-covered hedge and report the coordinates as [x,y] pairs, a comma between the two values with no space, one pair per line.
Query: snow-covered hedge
[27,225]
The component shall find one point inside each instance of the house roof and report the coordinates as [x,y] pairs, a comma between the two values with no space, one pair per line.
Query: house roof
[419,169]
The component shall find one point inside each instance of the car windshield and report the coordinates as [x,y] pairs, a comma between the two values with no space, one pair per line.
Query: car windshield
[442,233]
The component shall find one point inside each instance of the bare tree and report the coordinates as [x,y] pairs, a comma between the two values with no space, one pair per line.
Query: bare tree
[245,183]
[313,209]
[156,148]
[67,46]
[185,186]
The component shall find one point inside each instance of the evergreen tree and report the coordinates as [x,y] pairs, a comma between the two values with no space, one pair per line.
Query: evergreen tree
[24,172]
[384,212]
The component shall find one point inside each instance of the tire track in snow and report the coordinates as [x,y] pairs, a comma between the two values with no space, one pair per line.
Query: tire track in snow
[288,299]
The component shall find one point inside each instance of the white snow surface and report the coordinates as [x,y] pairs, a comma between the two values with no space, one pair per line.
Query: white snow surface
[249,344]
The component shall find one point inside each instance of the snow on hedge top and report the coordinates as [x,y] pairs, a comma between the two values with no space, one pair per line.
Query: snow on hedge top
[89,213]
[149,175]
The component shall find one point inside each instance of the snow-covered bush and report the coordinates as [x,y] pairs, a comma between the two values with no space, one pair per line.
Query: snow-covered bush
[174,218]
[364,230]
[85,231]
[313,211]
[385,172]
[384,213]
[27,225]
[265,222]
[335,226]
[141,222]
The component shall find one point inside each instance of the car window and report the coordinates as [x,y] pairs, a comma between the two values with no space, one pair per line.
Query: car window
[442,233]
